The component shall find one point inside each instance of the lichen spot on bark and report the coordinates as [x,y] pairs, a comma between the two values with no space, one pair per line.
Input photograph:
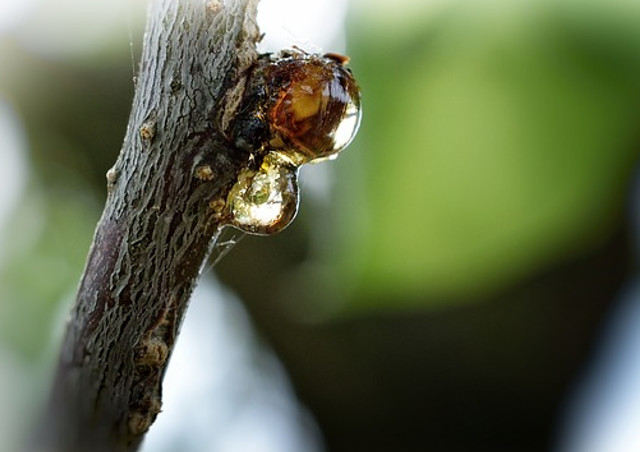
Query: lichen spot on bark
[139,423]
[214,6]
[204,172]
[148,131]
[217,205]
[152,352]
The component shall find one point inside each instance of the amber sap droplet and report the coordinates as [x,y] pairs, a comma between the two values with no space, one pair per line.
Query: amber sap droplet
[316,106]
[265,201]
[297,108]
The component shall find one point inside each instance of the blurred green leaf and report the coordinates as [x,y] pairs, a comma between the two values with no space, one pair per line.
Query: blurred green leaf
[49,236]
[492,144]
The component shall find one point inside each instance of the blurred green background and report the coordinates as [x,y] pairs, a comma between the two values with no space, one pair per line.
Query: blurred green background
[446,279]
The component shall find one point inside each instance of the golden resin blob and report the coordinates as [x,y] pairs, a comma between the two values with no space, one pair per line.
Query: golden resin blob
[297,108]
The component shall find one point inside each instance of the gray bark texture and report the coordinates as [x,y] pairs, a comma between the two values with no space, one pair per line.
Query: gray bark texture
[159,223]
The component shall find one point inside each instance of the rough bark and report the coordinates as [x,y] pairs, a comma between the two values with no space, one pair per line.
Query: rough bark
[159,222]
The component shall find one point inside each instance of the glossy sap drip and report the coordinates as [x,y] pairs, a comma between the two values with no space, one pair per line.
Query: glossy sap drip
[299,108]
[316,113]
[265,201]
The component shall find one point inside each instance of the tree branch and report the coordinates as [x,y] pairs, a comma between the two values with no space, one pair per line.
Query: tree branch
[161,217]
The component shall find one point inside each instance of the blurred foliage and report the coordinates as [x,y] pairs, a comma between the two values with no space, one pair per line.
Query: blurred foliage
[497,140]
[41,269]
